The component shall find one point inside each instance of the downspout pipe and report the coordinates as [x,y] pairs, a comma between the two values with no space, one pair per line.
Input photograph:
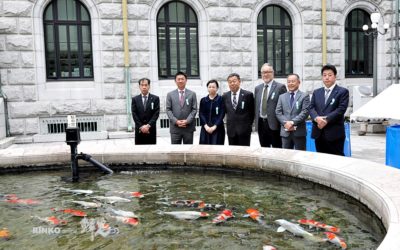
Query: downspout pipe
[324,40]
[127,72]
[397,41]
[3,95]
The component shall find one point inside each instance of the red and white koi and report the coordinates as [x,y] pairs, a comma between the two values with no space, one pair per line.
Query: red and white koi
[255,215]
[97,226]
[267,247]
[186,215]
[223,216]
[316,224]
[331,237]
[73,212]
[12,198]
[52,220]
[126,220]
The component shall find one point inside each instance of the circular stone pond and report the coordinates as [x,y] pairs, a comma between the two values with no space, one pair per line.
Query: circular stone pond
[374,185]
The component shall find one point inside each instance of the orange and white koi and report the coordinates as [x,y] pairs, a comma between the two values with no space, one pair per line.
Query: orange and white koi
[316,224]
[223,216]
[126,220]
[295,229]
[255,215]
[331,237]
[5,234]
[126,194]
[52,220]
[186,215]
[73,212]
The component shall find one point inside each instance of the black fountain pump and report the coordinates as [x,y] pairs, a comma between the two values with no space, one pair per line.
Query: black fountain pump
[73,138]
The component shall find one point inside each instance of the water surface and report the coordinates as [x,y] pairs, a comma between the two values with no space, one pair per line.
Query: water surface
[276,197]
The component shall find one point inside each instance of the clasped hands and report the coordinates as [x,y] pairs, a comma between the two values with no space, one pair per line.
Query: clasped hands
[321,121]
[181,123]
[209,129]
[289,126]
[145,129]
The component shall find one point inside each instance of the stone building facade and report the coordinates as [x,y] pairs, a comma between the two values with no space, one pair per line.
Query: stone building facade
[227,42]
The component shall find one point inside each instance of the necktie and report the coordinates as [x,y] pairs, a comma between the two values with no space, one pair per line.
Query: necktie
[144,102]
[291,99]
[234,101]
[181,98]
[264,101]
[327,94]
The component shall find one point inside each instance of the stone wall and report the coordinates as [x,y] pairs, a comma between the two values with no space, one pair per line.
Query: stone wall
[227,43]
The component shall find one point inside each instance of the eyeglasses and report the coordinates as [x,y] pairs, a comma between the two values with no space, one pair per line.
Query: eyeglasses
[267,72]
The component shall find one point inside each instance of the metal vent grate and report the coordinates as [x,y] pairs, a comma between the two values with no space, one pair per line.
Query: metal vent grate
[164,122]
[57,125]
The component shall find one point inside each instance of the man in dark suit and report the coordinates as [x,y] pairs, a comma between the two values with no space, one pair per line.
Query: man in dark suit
[181,109]
[292,111]
[239,108]
[266,98]
[327,109]
[145,112]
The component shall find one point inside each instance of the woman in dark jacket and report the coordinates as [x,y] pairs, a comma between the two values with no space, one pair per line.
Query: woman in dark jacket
[211,116]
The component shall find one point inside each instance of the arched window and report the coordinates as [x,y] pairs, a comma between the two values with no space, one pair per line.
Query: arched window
[274,39]
[177,39]
[67,41]
[359,47]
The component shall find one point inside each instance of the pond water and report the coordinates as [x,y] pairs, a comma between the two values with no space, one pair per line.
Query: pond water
[276,197]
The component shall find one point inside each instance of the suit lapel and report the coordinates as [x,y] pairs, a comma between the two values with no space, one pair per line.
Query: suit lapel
[272,89]
[331,96]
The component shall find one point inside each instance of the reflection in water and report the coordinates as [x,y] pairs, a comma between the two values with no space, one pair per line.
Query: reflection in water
[271,198]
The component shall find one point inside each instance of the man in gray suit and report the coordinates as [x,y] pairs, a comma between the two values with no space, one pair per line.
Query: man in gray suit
[181,110]
[266,99]
[292,111]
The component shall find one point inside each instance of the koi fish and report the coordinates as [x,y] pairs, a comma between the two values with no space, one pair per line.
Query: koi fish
[316,224]
[122,213]
[51,220]
[186,215]
[196,204]
[86,204]
[15,200]
[269,248]
[77,191]
[5,234]
[73,212]
[255,215]
[223,216]
[111,199]
[97,227]
[126,194]
[126,220]
[293,228]
[188,203]
[331,237]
